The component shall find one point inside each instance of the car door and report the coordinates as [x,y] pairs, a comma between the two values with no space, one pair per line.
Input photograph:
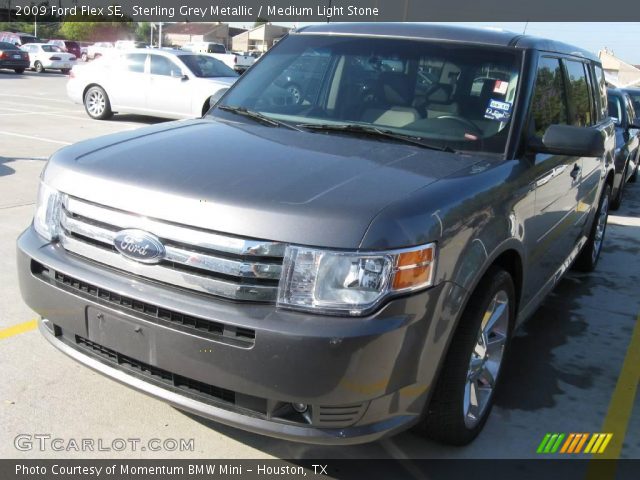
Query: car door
[129,82]
[169,92]
[632,135]
[552,231]
[585,110]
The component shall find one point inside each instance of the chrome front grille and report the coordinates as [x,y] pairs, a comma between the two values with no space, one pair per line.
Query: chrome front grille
[195,259]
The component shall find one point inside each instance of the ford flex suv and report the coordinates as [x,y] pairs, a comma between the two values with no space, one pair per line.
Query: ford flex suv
[340,262]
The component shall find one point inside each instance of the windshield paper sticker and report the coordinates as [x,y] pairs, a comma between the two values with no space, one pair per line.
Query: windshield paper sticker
[497,110]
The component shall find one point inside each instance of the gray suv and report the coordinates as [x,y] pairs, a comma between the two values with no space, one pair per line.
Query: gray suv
[340,264]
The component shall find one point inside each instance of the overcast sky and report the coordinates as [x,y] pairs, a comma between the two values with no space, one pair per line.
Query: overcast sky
[622,38]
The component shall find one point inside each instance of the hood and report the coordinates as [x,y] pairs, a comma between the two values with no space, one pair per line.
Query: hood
[251,180]
[226,81]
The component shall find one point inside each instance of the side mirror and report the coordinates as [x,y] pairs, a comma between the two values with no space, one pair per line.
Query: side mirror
[574,141]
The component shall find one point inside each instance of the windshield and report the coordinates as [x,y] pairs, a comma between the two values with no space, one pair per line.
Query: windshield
[51,48]
[205,66]
[450,95]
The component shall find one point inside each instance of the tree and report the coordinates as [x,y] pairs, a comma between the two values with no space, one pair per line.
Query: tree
[143,31]
[97,31]
[260,21]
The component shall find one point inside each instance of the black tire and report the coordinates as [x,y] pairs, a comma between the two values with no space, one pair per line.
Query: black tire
[84,57]
[588,258]
[96,108]
[445,420]
[19,71]
[617,201]
[634,176]
[38,67]
[65,71]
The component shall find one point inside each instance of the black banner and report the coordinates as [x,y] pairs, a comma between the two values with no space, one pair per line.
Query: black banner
[321,10]
[452,469]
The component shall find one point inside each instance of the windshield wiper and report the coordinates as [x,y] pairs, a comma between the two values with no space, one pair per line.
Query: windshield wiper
[257,116]
[374,131]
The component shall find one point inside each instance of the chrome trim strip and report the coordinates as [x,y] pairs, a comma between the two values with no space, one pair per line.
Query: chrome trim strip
[177,233]
[224,266]
[173,277]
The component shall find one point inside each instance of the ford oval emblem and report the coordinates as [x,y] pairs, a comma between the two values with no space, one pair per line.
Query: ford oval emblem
[139,245]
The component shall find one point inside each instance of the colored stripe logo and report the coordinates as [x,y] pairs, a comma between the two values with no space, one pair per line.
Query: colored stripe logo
[594,443]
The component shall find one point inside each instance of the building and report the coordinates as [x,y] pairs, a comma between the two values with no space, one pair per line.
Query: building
[260,38]
[617,72]
[187,32]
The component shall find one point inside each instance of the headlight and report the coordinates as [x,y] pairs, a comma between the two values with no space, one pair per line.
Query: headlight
[351,283]
[47,216]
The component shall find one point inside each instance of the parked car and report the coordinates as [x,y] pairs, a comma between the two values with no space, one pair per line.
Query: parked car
[68,46]
[237,61]
[99,49]
[351,265]
[164,83]
[18,38]
[129,44]
[634,94]
[13,58]
[45,56]
[627,154]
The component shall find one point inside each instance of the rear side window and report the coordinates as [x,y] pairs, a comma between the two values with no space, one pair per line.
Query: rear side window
[135,62]
[579,95]
[163,66]
[602,92]
[549,103]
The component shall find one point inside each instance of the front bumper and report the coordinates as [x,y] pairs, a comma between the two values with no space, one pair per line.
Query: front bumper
[362,378]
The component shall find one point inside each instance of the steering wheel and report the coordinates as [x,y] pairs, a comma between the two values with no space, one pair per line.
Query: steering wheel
[463,121]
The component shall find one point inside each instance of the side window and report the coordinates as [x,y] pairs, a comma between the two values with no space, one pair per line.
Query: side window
[602,91]
[134,62]
[579,95]
[162,66]
[549,103]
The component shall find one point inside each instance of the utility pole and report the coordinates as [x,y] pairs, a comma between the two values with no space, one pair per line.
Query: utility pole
[159,34]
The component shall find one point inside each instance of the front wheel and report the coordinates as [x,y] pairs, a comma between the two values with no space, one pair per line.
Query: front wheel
[588,258]
[38,67]
[617,201]
[634,176]
[96,103]
[84,57]
[18,70]
[464,392]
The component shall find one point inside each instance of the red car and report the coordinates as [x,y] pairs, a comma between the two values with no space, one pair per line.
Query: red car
[68,46]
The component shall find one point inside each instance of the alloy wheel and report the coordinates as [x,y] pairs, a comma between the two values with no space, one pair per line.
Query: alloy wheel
[486,359]
[95,103]
[600,227]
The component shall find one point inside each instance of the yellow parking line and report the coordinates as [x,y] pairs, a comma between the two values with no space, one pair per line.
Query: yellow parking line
[18,329]
[621,403]
[619,412]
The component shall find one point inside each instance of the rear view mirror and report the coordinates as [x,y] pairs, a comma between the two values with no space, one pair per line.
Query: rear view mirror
[575,141]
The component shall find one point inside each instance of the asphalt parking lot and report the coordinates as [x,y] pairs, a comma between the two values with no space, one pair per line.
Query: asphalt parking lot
[572,366]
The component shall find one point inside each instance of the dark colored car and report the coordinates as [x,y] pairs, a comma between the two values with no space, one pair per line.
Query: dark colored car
[634,93]
[627,153]
[18,39]
[68,46]
[340,268]
[13,58]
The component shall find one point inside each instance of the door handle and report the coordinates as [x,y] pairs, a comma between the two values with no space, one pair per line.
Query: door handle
[575,172]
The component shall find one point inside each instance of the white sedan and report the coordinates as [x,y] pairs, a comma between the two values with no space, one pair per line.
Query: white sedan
[44,56]
[161,83]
